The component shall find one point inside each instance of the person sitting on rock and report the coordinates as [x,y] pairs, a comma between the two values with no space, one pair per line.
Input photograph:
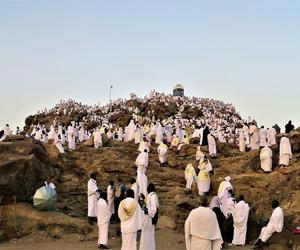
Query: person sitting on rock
[48,183]
[275,225]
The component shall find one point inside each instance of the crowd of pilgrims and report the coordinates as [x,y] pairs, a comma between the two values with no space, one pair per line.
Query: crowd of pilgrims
[137,208]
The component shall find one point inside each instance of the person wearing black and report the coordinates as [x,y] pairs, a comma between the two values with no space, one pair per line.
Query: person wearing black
[289,127]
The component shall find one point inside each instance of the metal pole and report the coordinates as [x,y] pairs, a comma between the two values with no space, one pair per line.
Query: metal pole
[110,97]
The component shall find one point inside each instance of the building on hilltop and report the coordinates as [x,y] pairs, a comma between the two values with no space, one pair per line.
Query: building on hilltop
[178,90]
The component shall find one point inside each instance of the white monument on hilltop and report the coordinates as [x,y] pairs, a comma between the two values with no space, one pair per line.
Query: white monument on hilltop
[178,90]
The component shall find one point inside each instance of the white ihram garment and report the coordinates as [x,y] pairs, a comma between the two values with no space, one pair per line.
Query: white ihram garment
[240,219]
[92,198]
[103,215]
[285,151]
[275,225]
[148,229]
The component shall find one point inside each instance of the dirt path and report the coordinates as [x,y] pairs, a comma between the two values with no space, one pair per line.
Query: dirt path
[165,240]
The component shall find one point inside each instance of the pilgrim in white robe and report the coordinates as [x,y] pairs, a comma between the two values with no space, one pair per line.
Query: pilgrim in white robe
[120,134]
[199,154]
[275,225]
[202,230]
[224,195]
[110,199]
[148,229]
[97,139]
[7,130]
[103,216]
[266,159]
[254,137]
[131,216]
[190,175]
[212,145]
[175,141]
[71,141]
[203,180]
[92,197]
[162,151]
[51,134]
[285,151]
[81,134]
[159,134]
[138,136]
[263,137]
[240,219]
[135,188]
[242,142]
[143,145]
[142,180]
[271,137]
[58,145]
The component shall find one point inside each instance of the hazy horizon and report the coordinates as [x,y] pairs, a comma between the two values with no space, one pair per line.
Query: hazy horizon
[244,53]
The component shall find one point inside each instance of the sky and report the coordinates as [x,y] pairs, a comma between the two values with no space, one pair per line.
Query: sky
[241,52]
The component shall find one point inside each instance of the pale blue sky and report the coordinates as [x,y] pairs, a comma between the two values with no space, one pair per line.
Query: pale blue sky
[243,52]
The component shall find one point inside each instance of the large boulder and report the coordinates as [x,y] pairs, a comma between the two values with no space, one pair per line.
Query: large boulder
[23,168]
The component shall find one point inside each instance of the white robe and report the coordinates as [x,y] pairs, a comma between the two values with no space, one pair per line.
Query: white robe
[103,215]
[110,199]
[263,135]
[254,137]
[97,139]
[131,225]
[240,219]
[58,145]
[162,151]
[190,176]
[271,137]
[135,188]
[148,229]
[202,230]
[285,151]
[159,135]
[92,198]
[266,159]
[212,145]
[275,225]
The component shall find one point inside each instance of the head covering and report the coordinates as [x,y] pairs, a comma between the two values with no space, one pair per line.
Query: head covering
[228,178]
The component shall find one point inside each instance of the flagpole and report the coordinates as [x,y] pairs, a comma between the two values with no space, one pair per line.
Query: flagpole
[110,102]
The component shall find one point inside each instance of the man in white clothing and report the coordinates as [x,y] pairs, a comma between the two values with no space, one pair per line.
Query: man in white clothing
[285,152]
[148,229]
[275,225]
[266,159]
[131,216]
[240,219]
[212,145]
[7,130]
[202,229]
[263,135]
[190,176]
[162,151]
[135,188]
[111,196]
[92,194]
[103,215]
[48,183]
[142,164]
[97,138]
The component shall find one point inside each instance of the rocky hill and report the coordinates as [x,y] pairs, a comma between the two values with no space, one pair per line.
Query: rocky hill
[25,163]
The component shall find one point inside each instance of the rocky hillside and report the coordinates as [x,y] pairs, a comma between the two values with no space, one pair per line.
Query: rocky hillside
[25,163]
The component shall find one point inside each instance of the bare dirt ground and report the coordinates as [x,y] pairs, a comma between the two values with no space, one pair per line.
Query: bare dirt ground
[165,240]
